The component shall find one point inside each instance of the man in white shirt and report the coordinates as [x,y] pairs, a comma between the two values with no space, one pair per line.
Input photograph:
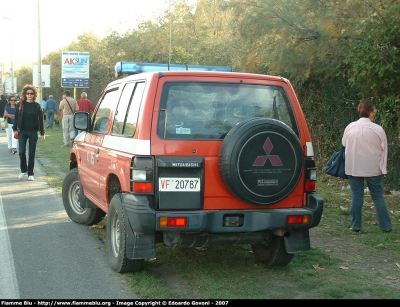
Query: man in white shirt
[366,159]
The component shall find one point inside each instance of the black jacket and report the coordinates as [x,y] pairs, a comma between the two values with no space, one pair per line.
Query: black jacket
[3,103]
[18,117]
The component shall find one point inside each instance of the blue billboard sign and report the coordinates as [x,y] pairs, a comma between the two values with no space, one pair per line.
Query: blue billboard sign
[75,69]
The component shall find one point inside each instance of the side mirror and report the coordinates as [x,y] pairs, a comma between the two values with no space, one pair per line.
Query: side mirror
[82,121]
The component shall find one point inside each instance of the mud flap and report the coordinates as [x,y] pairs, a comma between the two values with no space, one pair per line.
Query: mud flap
[140,246]
[140,219]
[297,240]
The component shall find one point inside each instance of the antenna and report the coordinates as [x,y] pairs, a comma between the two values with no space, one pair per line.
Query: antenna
[170,33]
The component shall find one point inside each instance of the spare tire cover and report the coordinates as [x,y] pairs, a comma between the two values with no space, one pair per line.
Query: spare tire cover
[260,161]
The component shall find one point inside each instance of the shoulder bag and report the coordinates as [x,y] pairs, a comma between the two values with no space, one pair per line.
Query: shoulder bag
[336,165]
[4,123]
[69,106]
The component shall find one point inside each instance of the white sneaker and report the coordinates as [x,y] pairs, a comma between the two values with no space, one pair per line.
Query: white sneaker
[30,178]
[21,176]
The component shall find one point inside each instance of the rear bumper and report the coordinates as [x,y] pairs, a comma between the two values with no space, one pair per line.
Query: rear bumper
[206,228]
[253,220]
[145,220]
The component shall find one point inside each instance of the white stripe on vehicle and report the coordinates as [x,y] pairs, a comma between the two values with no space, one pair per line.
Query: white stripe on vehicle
[129,145]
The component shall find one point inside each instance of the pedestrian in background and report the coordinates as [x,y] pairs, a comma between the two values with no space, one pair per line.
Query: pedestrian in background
[9,113]
[27,122]
[51,109]
[44,103]
[3,103]
[68,106]
[84,105]
[366,160]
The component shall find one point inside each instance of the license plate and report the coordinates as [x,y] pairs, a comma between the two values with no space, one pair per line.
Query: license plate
[179,184]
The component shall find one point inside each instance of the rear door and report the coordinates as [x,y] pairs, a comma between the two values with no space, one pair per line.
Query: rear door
[92,166]
[110,144]
[194,117]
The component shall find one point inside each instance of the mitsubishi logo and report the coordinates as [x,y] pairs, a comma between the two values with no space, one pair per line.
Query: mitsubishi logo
[261,160]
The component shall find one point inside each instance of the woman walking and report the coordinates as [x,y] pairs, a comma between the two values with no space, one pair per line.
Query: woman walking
[28,121]
[366,160]
[9,112]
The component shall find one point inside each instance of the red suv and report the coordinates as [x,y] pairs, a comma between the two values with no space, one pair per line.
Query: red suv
[194,156]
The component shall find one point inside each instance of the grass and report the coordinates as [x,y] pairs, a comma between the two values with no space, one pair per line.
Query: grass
[340,264]
[54,159]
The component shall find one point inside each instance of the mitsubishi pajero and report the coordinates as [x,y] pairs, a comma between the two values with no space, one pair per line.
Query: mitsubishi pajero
[194,156]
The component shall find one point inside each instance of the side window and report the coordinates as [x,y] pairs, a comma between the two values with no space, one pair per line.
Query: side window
[125,121]
[120,114]
[104,115]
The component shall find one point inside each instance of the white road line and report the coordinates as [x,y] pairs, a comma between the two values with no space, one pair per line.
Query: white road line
[8,279]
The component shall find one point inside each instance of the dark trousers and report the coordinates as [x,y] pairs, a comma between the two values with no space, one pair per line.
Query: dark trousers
[50,118]
[375,186]
[24,137]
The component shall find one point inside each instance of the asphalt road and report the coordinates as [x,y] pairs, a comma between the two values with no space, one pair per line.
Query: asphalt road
[43,254]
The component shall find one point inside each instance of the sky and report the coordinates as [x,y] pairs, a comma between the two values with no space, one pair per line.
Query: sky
[62,21]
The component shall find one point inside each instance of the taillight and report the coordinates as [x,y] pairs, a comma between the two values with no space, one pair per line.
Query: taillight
[142,175]
[172,221]
[310,184]
[298,219]
[142,187]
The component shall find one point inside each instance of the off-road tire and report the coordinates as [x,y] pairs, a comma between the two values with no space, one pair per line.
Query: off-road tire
[272,252]
[116,239]
[71,196]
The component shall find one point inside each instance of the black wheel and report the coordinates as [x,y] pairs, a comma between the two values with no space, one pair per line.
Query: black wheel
[71,196]
[272,252]
[261,161]
[116,239]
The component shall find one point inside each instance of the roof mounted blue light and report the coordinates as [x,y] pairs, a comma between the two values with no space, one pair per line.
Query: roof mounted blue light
[131,68]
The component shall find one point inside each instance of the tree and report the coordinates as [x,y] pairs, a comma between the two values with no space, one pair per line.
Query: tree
[373,60]
[24,76]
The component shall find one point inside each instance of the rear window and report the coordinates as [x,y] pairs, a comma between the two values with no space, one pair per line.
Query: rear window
[203,111]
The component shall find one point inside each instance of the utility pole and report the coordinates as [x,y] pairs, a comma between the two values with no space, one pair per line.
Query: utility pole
[2,65]
[39,58]
[12,75]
